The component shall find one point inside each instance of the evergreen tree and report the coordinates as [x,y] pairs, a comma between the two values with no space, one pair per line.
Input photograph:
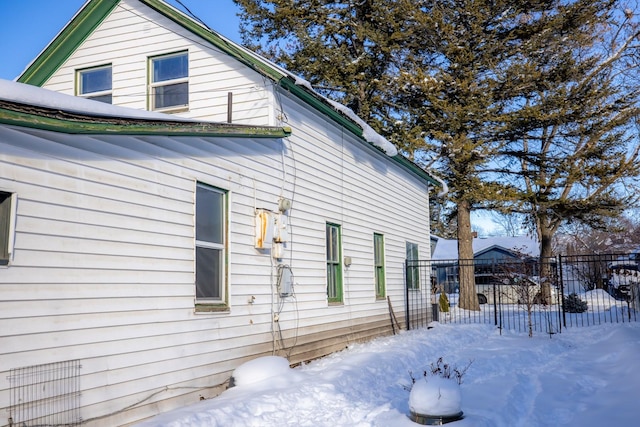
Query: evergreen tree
[345,49]
[460,57]
[572,146]
[474,85]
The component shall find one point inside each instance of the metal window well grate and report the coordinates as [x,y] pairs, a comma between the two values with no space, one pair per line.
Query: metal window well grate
[45,395]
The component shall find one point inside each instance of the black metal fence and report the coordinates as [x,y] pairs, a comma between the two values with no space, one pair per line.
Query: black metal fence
[527,294]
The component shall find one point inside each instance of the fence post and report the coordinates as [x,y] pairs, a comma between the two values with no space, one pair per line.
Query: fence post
[561,296]
[406,294]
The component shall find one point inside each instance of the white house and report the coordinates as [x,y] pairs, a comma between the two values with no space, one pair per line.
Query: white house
[143,256]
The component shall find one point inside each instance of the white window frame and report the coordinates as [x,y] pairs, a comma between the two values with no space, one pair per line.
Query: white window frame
[153,84]
[96,94]
[213,303]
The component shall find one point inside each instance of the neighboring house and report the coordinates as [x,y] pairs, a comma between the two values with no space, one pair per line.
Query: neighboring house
[155,253]
[486,252]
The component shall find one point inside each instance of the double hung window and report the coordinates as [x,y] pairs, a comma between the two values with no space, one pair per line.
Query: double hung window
[169,81]
[378,264]
[413,272]
[210,244]
[334,263]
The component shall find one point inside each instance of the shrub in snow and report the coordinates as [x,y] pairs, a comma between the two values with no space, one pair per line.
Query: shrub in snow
[444,303]
[435,396]
[259,369]
[437,393]
[573,304]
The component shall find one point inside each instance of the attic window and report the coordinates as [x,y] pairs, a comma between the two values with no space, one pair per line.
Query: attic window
[95,83]
[169,85]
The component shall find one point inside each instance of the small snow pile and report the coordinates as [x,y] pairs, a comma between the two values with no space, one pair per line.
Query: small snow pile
[259,369]
[435,396]
[599,300]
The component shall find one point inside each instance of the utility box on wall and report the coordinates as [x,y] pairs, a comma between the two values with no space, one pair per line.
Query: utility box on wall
[265,224]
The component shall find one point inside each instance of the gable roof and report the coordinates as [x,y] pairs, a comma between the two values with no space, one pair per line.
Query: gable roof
[34,107]
[93,12]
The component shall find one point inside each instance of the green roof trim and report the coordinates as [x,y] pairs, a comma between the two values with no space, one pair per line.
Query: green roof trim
[73,123]
[97,11]
[229,48]
[71,37]
[417,170]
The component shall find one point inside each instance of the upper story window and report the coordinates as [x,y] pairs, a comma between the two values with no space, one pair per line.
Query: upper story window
[210,244]
[95,83]
[334,263]
[7,225]
[169,82]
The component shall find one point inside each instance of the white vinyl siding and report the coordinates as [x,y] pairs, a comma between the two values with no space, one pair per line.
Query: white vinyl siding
[105,241]
[117,40]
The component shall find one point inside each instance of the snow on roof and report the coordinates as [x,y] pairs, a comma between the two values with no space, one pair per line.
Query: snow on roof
[37,96]
[368,133]
[448,248]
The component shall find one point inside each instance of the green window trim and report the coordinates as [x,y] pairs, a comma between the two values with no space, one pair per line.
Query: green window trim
[334,263]
[378,265]
[7,226]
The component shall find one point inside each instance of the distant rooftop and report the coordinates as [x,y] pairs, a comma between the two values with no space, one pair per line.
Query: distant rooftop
[448,248]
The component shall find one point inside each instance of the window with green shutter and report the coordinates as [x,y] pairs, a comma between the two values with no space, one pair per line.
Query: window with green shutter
[378,264]
[334,263]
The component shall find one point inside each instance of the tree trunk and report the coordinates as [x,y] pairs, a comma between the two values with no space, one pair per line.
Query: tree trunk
[546,253]
[468,295]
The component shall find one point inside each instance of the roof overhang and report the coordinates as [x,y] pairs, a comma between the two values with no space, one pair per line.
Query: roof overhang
[38,117]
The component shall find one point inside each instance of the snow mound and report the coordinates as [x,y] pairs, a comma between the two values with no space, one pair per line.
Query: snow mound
[435,396]
[260,369]
[599,300]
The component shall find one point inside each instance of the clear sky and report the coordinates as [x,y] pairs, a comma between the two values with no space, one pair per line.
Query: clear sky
[27,26]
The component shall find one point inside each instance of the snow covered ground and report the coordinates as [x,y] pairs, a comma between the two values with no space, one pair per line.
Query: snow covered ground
[586,376]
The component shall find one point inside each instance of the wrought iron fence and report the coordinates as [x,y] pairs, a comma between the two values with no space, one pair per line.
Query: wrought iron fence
[527,294]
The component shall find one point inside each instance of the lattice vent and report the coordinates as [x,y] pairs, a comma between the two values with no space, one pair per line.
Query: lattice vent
[45,395]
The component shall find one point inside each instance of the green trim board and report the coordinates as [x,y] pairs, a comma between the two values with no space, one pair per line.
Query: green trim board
[73,123]
[69,39]
[96,11]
